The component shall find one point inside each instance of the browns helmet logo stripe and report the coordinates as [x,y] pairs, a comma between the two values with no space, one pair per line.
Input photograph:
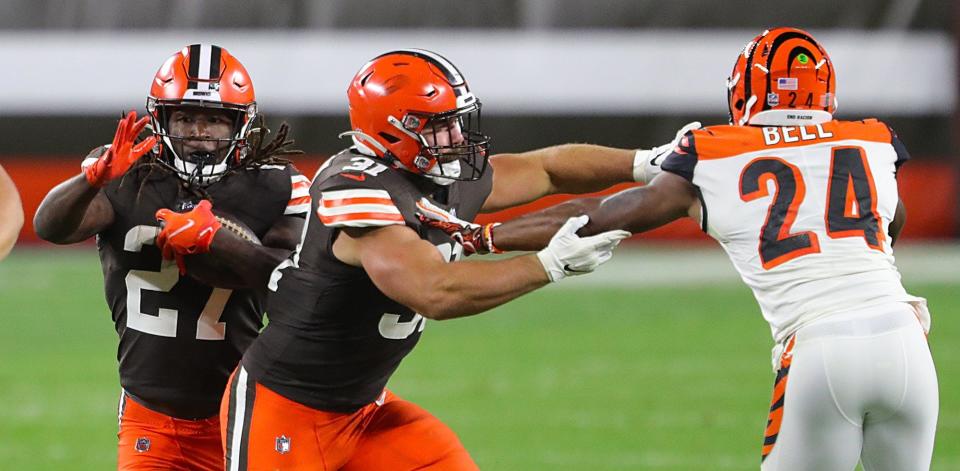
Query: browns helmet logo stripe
[204,66]
[358,208]
[193,68]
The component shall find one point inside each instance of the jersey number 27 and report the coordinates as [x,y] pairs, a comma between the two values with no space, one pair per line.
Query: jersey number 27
[164,324]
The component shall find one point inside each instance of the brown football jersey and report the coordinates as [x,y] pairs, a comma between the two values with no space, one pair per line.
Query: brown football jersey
[179,338]
[334,339]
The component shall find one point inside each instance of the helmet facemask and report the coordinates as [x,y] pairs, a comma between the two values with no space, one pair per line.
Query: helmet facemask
[413,108]
[202,80]
[201,160]
[452,147]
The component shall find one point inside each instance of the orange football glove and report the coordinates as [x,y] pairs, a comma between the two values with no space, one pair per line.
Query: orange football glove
[186,233]
[473,237]
[121,154]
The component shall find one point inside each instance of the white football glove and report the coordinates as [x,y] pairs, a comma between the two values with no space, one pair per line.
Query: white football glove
[568,254]
[646,162]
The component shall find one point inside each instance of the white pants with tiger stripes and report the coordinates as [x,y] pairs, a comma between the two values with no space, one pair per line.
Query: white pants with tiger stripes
[859,386]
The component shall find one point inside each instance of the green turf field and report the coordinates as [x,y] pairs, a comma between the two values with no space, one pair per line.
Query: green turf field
[584,378]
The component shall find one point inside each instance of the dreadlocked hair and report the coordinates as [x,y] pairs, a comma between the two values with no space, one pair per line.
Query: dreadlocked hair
[271,153]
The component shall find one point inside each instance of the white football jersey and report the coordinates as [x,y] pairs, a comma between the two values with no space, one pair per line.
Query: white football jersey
[802,212]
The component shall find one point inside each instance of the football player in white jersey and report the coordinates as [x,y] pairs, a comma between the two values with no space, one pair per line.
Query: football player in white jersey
[807,209]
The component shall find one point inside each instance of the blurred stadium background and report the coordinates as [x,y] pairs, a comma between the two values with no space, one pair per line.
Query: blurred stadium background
[660,362]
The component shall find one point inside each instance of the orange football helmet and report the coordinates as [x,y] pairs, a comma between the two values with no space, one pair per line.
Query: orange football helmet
[782,77]
[205,76]
[413,108]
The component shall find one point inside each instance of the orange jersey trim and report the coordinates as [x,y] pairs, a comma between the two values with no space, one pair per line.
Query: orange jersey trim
[385,217]
[299,201]
[329,203]
[718,142]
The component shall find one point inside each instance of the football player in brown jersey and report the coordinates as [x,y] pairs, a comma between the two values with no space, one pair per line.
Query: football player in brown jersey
[354,298]
[11,214]
[179,336]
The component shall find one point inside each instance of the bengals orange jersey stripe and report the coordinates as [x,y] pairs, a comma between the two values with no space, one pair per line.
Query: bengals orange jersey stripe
[717,142]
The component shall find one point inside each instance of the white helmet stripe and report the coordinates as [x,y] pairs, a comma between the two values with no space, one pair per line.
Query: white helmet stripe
[203,61]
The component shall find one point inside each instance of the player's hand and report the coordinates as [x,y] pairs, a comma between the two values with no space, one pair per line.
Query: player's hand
[646,162]
[473,237]
[569,254]
[186,233]
[121,153]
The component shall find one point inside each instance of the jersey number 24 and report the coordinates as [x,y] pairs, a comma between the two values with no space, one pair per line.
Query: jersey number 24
[851,207]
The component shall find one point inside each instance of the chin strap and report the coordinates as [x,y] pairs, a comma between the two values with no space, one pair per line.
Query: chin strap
[444,174]
[198,174]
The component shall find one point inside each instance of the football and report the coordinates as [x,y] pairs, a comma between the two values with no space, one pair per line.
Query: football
[211,269]
[240,229]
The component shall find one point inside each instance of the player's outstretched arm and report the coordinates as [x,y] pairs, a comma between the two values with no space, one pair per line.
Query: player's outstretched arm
[75,210]
[412,272]
[568,168]
[571,168]
[11,214]
[667,198]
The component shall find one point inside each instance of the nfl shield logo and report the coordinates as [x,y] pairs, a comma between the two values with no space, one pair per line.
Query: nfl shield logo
[283,445]
[773,99]
[142,445]
[185,205]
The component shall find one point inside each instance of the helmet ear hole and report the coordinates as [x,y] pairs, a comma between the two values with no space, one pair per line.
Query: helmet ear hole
[389,137]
